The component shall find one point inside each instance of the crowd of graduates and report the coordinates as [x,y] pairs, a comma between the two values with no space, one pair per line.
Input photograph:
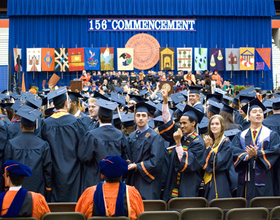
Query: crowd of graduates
[197,141]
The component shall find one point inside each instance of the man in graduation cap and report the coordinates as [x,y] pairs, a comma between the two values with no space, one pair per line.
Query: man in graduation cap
[76,108]
[29,149]
[111,197]
[63,132]
[187,156]
[17,201]
[194,98]
[255,151]
[106,140]
[146,152]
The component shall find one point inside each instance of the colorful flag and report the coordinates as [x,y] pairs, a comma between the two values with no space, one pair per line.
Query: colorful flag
[263,59]
[107,58]
[247,58]
[184,59]
[200,58]
[216,59]
[125,58]
[166,58]
[232,59]
[61,60]
[92,58]
[17,59]
[48,58]
[76,59]
[33,56]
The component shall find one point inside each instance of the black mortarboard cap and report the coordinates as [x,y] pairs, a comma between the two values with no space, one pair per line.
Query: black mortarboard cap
[193,113]
[203,127]
[119,89]
[115,97]
[219,91]
[33,101]
[214,107]
[268,103]
[235,100]
[116,118]
[231,133]
[136,98]
[275,103]
[143,107]
[6,105]
[247,95]
[227,99]
[195,89]
[99,95]
[75,96]
[17,105]
[143,92]
[177,97]
[48,112]
[106,107]
[159,118]
[15,96]
[245,99]
[214,97]
[28,115]
[58,95]
[227,108]
[255,103]
[128,120]
[151,123]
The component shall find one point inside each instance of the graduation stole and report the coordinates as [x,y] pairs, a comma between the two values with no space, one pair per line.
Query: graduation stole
[99,205]
[16,204]
[59,113]
[208,176]
[176,184]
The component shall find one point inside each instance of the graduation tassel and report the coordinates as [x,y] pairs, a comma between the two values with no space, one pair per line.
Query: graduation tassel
[36,124]
[248,111]
[119,113]
[79,103]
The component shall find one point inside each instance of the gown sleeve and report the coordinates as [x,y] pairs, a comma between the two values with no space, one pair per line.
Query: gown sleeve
[136,203]
[40,206]
[85,202]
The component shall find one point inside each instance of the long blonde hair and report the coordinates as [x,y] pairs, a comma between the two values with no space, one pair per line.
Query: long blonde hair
[222,122]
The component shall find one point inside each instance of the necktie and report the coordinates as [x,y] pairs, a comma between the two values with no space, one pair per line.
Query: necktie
[254,133]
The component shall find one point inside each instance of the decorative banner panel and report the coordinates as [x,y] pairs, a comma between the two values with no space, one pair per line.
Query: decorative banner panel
[92,58]
[263,59]
[17,59]
[167,58]
[76,59]
[33,56]
[184,59]
[200,59]
[146,51]
[247,58]
[125,58]
[48,59]
[107,58]
[232,59]
[216,59]
[61,60]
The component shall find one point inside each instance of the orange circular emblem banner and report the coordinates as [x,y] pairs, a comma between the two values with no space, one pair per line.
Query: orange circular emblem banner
[146,51]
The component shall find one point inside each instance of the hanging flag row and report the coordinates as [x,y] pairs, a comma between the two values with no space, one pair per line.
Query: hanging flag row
[78,59]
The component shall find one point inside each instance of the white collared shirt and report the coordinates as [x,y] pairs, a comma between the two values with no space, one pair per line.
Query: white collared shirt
[14,188]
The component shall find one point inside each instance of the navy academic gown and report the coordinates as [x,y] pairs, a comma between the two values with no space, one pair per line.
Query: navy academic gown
[147,151]
[86,120]
[34,152]
[255,176]
[245,124]
[223,163]
[63,135]
[238,118]
[190,166]
[3,141]
[273,123]
[95,146]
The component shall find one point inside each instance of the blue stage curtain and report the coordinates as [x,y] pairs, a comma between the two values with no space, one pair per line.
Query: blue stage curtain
[71,31]
[142,7]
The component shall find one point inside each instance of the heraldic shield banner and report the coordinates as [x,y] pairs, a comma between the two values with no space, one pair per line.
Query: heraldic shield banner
[232,59]
[247,58]
[125,58]
[48,58]
[200,59]
[61,60]
[107,58]
[76,59]
[184,59]
[263,59]
[33,56]
[92,58]
[167,58]
[216,59]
